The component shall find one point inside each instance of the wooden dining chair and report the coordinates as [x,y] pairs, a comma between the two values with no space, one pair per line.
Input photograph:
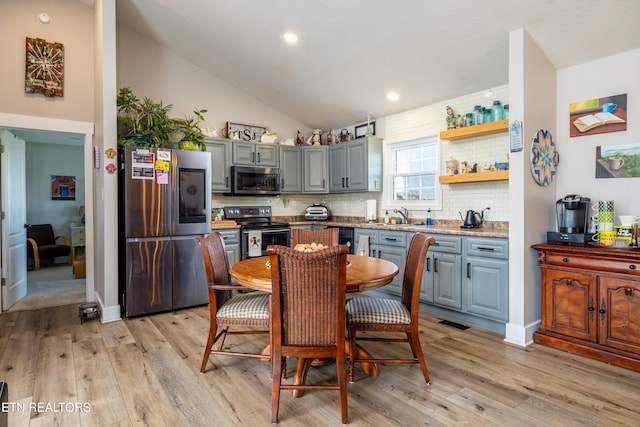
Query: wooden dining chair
[308,316]
[227,306]
[328,236]
[390,315]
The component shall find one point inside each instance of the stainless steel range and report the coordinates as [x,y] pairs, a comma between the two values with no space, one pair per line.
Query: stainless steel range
[256,229]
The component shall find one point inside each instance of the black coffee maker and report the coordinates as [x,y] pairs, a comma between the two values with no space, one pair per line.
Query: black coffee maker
[572,216]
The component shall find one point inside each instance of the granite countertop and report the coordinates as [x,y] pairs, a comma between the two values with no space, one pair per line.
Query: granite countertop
[489,229]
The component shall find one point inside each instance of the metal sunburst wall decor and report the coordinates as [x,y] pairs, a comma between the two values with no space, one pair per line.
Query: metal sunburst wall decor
[44,68]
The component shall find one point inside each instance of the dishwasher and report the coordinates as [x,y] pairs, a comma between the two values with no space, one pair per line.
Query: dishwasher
[345,237]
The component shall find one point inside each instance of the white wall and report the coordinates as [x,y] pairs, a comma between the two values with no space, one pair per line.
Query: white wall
[44,160]
[532,84]
[613,75]
[430,120]
[153,71]
[72,25]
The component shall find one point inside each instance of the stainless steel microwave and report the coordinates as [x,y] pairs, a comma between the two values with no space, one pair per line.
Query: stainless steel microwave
[254,181]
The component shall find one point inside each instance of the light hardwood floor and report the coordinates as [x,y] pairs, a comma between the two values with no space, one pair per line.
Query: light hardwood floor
[145,371]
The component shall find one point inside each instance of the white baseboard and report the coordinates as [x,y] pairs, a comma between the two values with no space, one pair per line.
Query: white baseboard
[108,314]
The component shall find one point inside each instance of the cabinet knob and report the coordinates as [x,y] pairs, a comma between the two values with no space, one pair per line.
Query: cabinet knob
[632,267]
[565,259]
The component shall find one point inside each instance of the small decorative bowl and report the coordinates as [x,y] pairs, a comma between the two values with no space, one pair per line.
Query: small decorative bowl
[502,166]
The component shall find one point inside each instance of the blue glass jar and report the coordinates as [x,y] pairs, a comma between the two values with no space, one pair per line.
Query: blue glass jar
[496,111]
[478,116]
[505,112]
[486,112]
[468,119]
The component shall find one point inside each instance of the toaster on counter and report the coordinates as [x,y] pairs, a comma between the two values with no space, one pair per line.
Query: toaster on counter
[316,212]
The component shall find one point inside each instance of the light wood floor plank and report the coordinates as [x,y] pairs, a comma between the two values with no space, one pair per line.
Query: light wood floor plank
[55,381]
[146,401]
[97,384]
[145,371]
[18,365]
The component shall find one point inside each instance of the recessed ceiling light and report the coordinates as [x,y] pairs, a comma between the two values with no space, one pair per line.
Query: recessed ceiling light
[290,38]
[43,18]
[393,96]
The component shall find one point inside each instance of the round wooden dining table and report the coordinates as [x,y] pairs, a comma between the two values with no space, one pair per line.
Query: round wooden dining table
[363,274]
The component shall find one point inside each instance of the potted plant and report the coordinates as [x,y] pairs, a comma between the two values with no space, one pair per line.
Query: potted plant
[143,122]
[189,131]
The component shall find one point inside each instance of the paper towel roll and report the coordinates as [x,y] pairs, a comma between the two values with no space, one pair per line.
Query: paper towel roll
[372,213]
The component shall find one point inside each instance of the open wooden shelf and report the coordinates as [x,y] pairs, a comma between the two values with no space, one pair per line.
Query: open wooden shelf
[477,130]
[474,177]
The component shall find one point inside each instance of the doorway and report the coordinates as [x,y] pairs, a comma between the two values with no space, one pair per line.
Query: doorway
[51,129]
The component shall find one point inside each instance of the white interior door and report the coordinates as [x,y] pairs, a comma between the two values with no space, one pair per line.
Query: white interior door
[14,237]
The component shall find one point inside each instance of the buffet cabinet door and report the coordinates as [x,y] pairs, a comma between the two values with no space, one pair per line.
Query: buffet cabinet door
[619,313]
[571,300]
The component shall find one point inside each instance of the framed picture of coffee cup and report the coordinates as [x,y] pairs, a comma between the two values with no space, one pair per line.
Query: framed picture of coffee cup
[598,115]
[618,161]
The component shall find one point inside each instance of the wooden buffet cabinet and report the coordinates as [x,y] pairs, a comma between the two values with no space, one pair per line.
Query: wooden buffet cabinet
[591,302]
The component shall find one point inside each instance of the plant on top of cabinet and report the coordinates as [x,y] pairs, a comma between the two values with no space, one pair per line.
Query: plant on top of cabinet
[191,135]
[142,122]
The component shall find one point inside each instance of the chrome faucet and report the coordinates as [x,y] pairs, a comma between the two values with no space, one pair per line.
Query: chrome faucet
[404,213]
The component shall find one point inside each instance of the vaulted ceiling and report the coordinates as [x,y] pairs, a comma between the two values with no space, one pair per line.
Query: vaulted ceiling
[351,53]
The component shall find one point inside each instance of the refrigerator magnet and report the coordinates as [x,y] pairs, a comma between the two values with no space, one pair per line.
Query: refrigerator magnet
[110,168]
[110,153]
[162,165]
[164,155]
[162,177]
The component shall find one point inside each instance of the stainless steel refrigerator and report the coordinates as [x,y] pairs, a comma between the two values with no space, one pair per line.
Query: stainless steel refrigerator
[165,201]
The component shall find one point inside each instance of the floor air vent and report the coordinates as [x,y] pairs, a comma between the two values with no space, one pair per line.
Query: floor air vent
[454,324]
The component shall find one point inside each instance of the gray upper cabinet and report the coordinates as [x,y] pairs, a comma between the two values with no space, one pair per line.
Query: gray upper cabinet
[290,169]
[252,154]
[316,169]
[356,165]
[220,150]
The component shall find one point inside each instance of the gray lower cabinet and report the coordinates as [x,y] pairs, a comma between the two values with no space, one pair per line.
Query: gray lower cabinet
[220,150]
[389,245]
[465,278]
[442,276]
[290,169]
[486,277]
[231,237]
[316,169]
[254,154]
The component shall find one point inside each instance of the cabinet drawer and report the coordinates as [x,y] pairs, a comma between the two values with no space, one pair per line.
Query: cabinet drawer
[446,244]
[77,237]
[230,237]
[594,263]
[487,248]
[373,235]
[393,238]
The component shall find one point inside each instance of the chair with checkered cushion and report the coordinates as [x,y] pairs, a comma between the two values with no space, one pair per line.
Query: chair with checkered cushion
[227,306]
[392,316]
